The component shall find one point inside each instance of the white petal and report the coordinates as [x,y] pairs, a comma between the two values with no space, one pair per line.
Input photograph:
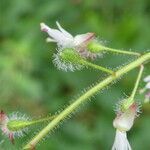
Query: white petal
[147,79]
[44,27]
[50,40]
[147,98]
[142,90]
[67,34]
[121,141]
[147,85]
[81,38]
[57,36]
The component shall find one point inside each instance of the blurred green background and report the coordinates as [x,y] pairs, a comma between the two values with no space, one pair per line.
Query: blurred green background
[30,84]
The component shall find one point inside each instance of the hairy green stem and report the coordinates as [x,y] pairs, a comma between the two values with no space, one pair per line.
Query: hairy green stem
[128,102]
[121,51]
[16,125]
[44,119]
[85,98]
[137,82]
[92,65]
[69,55]
[96,47]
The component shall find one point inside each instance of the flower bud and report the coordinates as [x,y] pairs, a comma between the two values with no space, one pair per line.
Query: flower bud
[123,123]
[15,125]
[124,120]
[68,59]
[95,47]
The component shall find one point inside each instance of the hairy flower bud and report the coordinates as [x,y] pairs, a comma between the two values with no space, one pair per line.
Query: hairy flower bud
[16,124]
[6,125]
[123,123]
[68,59]
[124,120]
[95,47]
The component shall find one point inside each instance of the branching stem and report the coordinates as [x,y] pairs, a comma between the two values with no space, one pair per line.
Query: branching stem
[72,107]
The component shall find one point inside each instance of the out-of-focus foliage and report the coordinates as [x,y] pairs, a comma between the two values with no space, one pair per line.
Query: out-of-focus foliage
[30,83]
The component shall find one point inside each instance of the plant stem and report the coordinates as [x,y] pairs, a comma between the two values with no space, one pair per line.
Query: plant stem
[69,55]
[96,47]
[16,125]
[130,100]
[72,107]
[121,51]
[44,119]
[137,82]
[86,63]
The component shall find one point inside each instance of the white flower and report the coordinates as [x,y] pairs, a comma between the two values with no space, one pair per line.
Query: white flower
[147,97]
[64,38]
[146,89]
[147,80]
[123,123]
